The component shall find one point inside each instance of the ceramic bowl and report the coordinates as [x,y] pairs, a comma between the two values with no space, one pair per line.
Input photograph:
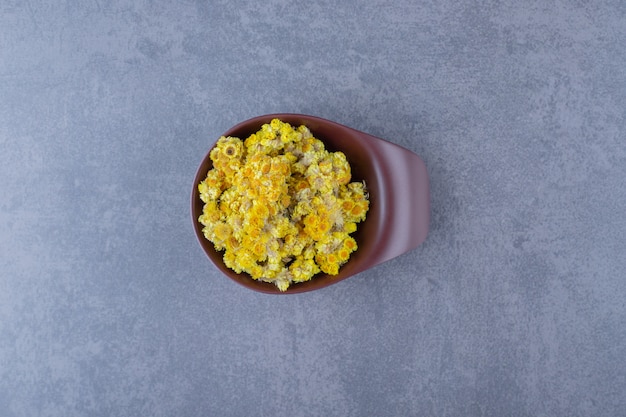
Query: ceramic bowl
[397,182]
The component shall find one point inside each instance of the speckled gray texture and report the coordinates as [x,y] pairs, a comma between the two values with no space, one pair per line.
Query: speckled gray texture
[514,305]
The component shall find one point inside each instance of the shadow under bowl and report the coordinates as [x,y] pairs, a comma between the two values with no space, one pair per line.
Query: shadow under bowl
[397,182]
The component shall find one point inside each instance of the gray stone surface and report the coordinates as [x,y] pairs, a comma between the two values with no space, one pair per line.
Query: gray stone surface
[514,306]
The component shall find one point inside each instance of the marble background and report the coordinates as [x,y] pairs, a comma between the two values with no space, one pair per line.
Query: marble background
[514,305]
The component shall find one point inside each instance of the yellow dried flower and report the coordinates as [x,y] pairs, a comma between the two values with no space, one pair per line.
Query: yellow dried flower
[280,205]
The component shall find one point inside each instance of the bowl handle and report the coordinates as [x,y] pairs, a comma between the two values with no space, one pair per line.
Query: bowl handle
[404,199]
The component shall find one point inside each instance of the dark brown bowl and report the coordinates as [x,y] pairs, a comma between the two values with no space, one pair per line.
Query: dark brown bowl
[397,182]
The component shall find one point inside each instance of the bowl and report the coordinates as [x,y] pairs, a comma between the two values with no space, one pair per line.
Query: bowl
[398,186]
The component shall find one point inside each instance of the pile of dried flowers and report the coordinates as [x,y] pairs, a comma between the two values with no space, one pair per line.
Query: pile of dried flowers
[280,205]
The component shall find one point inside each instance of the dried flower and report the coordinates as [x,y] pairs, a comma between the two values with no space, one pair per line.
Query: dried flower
[280,205]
